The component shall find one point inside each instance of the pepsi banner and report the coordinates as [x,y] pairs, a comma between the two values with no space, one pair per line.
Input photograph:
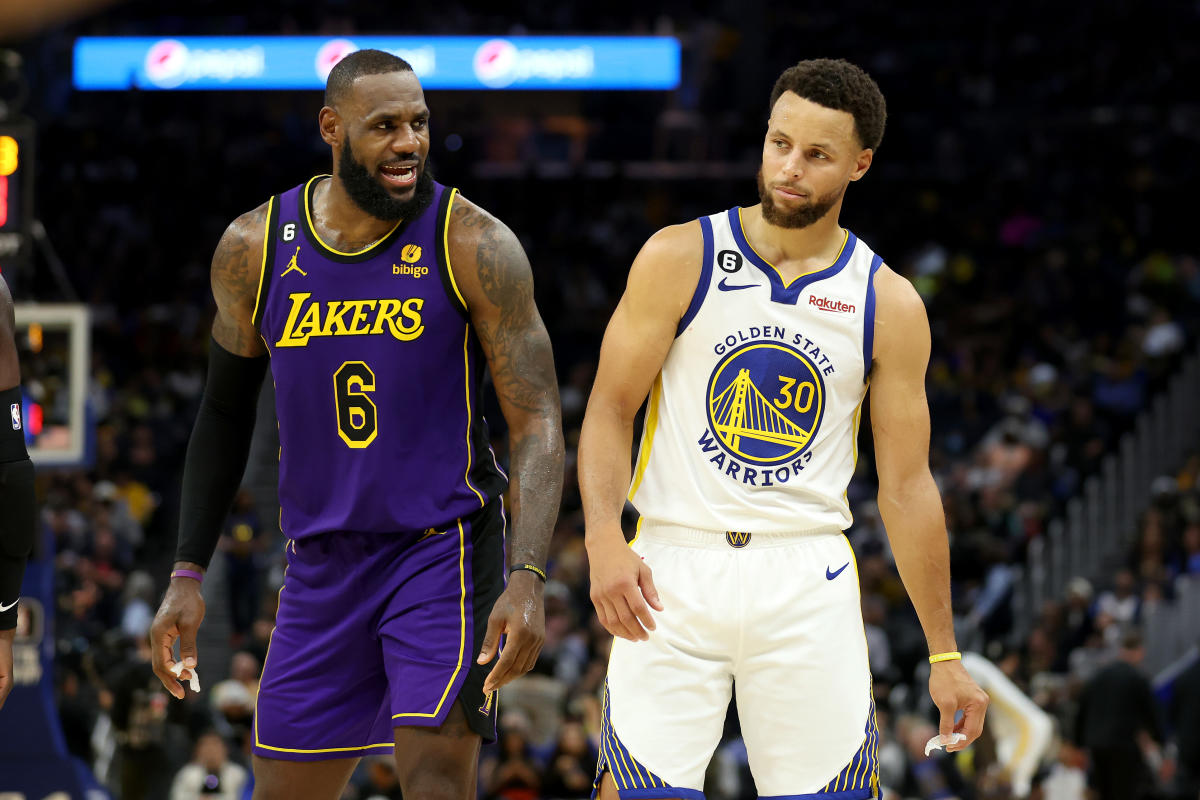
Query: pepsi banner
[441,62]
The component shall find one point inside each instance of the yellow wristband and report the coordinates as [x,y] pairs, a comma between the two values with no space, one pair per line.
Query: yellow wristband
[951,656]
[536,570]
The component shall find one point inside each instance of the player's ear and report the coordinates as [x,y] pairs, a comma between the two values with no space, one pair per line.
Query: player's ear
[862,163]
[330,124]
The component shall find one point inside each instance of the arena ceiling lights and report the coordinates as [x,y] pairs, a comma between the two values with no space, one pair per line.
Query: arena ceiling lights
[441,62]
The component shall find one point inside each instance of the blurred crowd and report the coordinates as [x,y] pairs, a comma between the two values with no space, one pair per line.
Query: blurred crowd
[1032,185]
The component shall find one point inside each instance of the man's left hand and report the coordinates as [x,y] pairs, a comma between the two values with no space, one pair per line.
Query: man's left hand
[520,615]
[953,690]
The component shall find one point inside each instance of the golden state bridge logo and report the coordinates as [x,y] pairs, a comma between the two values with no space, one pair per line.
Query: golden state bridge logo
[765,402]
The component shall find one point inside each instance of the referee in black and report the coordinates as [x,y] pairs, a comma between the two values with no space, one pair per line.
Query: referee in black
[16,491]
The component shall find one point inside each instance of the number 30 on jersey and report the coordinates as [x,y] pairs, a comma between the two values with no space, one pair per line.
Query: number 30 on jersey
[357,416]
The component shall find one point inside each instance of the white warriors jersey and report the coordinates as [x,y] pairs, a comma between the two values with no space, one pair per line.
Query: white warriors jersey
[752,424]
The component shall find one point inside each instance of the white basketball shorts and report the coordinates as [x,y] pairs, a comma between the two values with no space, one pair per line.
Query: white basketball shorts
[774,617]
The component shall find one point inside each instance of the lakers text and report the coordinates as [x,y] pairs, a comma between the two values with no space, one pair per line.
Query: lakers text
[308,318]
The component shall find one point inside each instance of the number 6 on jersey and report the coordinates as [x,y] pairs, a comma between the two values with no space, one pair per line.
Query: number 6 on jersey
[357,416]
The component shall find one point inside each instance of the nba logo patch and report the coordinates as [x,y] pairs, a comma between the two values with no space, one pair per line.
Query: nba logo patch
[737,539]
[15,411]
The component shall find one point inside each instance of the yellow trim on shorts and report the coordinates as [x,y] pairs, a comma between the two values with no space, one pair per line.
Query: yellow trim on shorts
[614,765]
[651,426]
[636,532]
[870,745]
[858,590]
[462,630]
[325,749]
[257,743]
[866,644]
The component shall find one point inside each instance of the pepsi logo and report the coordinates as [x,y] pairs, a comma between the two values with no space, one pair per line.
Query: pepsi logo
[166,63]
[495,63]
[331,53]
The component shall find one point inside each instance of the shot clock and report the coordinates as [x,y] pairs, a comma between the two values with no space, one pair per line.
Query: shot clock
[16,192]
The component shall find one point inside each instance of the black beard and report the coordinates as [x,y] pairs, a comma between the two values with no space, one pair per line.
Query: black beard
[800,218]
[371,197]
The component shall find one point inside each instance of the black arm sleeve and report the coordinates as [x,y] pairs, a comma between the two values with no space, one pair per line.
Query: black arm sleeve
[18,514]
[217,451]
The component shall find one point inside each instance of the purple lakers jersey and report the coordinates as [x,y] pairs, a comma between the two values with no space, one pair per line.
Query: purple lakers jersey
[377,376]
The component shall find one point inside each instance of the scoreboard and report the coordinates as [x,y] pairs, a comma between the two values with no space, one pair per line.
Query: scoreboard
[16,192]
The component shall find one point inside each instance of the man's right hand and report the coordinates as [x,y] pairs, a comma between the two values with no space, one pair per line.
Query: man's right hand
[622,585]
[178,617]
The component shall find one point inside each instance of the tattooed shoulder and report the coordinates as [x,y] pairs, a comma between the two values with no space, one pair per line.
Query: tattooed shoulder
[236,267]
[493,272]
[238,259]
[490,255]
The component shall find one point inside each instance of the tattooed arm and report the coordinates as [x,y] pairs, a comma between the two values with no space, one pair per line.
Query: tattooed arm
[236,268]
[493,274]
[220,443]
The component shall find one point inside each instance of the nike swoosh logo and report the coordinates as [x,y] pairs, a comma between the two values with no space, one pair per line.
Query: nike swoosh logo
[725,287]
[4,608]
[831,575]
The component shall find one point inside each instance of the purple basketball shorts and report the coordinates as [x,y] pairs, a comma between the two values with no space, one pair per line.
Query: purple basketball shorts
[377,631]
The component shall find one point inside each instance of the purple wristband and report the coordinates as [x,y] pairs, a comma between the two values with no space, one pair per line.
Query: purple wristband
[188,573]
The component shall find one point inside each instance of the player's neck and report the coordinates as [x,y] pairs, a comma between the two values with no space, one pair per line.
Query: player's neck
[798,249]
[339,219]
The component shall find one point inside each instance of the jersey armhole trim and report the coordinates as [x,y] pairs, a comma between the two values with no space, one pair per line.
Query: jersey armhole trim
[268,264]
[705,278]
[869,317]
[445,268]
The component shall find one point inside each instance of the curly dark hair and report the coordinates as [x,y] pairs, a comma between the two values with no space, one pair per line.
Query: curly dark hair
[842,86]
